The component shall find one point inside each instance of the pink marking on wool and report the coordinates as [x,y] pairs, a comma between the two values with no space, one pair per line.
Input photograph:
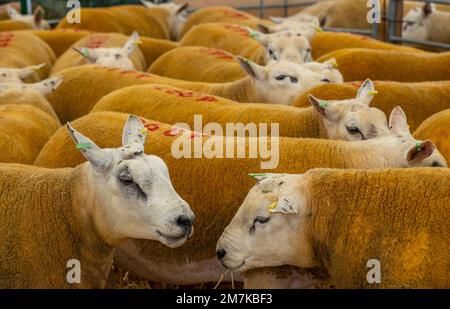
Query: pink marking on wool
[96,41]
[207,98]
[217,53]
[6,39]
[173,132]
[234,14]
[127,72]
[142,75]
[237,29]
[356,84]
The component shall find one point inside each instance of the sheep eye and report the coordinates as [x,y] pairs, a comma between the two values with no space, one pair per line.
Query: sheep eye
[280,77]
[293,79]
[126,180]
[326,80]
[353,130]
[4,74]
[118,56]
[261,220]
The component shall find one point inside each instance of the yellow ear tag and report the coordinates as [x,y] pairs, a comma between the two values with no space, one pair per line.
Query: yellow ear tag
[272,206]
[318,29]
[35,68]
[373,92]
[334,64]
[137,42]
[143,131]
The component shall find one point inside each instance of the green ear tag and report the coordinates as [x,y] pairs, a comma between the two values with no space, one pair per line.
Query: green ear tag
[84,146]
[323,104]
[254,175]
[85,52]
[253,34]
[418,146]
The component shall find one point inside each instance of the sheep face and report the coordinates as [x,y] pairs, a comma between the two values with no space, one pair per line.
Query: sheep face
[177,16]
[134,197]
[285,46]
[354,119]
[280,82]
[36,21]
[306,29]
[44,87]
[417,22]
[328,70]
[111,57]
[269,229]
[9,75]
[410,152]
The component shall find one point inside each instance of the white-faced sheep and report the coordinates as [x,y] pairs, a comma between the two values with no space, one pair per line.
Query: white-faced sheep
[44,87]
[35,20]
[342,220]
[56,216]
[227,179]
[110,49]
[351,119]
[13,75]
[278,83]
[427,24]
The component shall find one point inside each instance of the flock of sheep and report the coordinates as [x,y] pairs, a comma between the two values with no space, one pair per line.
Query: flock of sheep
[363,140]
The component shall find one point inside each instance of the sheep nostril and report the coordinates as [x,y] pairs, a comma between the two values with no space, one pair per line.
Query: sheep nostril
[184,222]
[221,253]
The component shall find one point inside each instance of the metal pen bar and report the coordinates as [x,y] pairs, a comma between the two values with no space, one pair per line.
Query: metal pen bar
[357,31]
[420,42]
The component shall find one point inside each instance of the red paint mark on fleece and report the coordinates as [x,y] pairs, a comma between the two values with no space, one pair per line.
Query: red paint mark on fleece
[96,41]
[186,94]
[236,28]
[216,53]
[6,39]
[234,14]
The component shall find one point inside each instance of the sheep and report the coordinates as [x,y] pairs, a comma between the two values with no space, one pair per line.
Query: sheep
[390,65]
[11,75]
[437,128]
[227,181]
[177,13]
[222,14]
[86,212]
[299,17]
[327,42]
[426,24]
[353,13]
[319,10]
[102,49]
[19,49]
[13,25]
[198,64]
[329,218]
[27,97]
[24,129]
[60,40]
[284,45]
[44,87]
[308,30]
[36,20]
[157,22]
[277,83]
[153,49]
[350,120]
[428,97]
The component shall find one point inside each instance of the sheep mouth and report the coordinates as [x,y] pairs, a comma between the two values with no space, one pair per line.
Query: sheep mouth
[234,268]
[174,241]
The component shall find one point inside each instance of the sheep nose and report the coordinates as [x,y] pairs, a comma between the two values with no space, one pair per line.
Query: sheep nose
[221,253]
[184,222]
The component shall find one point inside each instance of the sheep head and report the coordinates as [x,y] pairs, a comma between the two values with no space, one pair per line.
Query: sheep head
[416,23]
[11,75]
[268,229]
[352,119]
[134,197]
[117,57]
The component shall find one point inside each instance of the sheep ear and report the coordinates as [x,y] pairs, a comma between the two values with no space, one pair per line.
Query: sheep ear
[132,42]
[88,53]
[182,8]
[263,29]
[398,124]
[258,36]
[97,157]
[12,12]
[263,176]
[277,20]
[148,4]
[331,63]
[428,9]
[420,151]
[251,68]
[366,92]
[134,131]
[26,72]
[319,105]
[38,16]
